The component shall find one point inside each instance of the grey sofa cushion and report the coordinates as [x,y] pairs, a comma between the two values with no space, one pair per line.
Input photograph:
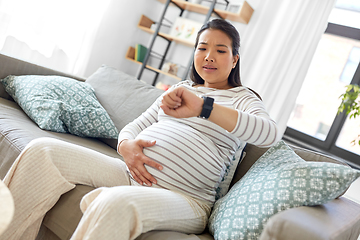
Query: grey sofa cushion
[64,217]
[123,96]
[17,130]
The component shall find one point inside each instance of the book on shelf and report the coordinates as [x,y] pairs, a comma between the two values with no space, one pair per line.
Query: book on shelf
[140,52]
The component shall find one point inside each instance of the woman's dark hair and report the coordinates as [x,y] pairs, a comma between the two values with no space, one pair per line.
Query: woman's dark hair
[233,34]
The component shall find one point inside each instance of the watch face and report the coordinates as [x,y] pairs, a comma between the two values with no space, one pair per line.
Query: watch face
[207,107]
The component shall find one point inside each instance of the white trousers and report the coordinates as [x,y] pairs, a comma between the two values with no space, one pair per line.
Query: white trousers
[117,209]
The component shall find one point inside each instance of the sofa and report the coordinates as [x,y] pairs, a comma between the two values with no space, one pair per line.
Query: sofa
[124,98]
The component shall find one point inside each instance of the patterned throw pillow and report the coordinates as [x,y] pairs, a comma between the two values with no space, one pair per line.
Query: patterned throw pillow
[279,180]
[61,104]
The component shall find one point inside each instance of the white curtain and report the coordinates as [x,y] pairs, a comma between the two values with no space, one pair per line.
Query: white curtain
[56,34]
[277,49]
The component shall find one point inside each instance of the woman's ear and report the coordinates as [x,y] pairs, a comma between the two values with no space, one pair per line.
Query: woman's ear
[236,59]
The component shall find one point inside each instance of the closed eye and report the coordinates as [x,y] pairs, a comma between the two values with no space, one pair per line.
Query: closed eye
[220,51]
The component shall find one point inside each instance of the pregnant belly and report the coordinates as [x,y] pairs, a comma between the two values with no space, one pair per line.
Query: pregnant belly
[191,162]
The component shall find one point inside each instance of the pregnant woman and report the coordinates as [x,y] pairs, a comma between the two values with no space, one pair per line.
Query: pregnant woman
[176,154]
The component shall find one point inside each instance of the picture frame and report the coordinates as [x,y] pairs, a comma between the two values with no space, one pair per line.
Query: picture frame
[185,29]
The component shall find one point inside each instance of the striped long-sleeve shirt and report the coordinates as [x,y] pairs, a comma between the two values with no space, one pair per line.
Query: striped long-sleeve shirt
[195,152]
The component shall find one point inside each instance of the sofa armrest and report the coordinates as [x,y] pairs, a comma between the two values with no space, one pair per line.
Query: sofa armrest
[335,220]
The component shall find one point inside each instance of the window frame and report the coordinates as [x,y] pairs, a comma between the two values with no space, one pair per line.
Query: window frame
[328,146]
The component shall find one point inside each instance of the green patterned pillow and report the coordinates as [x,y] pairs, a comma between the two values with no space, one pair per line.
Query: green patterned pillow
[279,180]
[61,104]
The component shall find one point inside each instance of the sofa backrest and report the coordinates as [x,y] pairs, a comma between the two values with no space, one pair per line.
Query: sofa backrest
[128,100]
[253,153]
[17,67]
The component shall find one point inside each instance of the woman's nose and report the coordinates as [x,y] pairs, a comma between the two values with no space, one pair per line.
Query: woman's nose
[209,58]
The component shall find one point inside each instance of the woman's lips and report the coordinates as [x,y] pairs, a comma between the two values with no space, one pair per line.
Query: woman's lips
[209,68]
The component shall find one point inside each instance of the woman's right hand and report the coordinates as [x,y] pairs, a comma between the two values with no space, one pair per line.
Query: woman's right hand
[132,152]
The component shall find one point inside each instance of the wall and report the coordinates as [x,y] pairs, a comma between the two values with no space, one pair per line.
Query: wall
[118,31]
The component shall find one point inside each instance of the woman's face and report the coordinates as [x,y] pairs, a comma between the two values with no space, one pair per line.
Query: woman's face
[213,58]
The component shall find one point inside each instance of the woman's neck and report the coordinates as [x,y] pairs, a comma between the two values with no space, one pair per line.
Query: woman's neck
[215,86]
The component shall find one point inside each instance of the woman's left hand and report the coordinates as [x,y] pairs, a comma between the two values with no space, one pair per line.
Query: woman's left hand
[181,103]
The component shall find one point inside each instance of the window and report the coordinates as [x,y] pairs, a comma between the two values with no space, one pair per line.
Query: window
[350,66]
[314,122]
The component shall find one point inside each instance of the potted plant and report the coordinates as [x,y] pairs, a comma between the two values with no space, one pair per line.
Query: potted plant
[350,103]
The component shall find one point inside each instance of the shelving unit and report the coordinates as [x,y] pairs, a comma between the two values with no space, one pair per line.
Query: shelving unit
[145,24]
[130,55]
[244,15]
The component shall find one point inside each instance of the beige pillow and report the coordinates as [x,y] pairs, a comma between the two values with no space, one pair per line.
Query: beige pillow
[123,96]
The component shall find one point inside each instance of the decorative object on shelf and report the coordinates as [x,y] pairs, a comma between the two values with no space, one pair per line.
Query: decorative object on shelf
[140,52]
[185,29]
[162,86]
[235,6]
[152,63]
[171,68]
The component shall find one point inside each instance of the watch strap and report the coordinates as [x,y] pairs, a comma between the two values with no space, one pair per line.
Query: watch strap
[207,107]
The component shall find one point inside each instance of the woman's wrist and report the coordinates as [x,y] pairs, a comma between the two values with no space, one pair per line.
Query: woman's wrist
[207,107]
[119,144]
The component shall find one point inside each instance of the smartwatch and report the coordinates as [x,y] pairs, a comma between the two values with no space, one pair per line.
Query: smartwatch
[207,107]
